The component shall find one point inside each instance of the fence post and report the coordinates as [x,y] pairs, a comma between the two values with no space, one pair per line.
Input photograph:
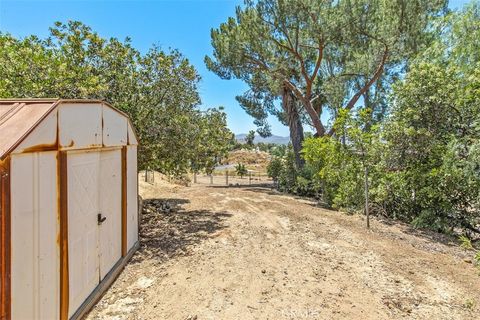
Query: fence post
[226,177]
[194,177]
[249,178]
[211,178]
[367,211]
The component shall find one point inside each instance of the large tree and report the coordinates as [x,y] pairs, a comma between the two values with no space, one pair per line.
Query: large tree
[328,54]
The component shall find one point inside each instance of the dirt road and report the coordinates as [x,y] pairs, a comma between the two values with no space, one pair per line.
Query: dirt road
[250,253]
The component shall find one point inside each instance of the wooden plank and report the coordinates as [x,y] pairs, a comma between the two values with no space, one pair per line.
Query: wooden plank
[100,290]
[5,244]
[124,201]
[63,214]
[132,197]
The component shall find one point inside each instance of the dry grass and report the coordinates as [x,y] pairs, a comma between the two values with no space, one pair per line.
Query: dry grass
[252,159]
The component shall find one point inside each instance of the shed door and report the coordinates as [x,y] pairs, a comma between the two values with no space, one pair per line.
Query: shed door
[94,187]
[83,255]
[111,209]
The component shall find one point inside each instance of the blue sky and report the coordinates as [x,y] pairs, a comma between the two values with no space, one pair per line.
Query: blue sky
[181,24]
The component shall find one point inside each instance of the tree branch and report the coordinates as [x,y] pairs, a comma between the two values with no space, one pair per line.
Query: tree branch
[318,63]
[317,124]
[374,78]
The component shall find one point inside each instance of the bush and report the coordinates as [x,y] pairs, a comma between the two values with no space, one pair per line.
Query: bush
[288,174]
[274,168]
[423,162]
[241,170]
[288,178]
[339,176]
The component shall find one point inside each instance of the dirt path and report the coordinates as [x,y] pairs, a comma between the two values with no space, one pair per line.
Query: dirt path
[249,253]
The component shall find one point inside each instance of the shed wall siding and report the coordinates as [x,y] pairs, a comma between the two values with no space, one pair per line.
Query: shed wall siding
[132,139]
[35,251]
[132,197]
[80,125]
[114,128]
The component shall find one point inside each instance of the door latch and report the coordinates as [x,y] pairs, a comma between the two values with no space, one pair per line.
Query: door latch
[101,219]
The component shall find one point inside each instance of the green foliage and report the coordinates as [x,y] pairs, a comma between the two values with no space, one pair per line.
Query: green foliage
[305,184]
[274,168]
[279,150]
[267,147]
[249,138]
[241,170]
[423,162]
[289,178]
[431,147]
[423,159]
[469,304]
[465,242]
[288,174]
[211,142]
[339,171]
[457,41]
[327,53]
[158,90]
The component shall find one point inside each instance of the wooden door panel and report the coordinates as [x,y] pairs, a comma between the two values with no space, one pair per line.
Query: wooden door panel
[83,237]
[111,209]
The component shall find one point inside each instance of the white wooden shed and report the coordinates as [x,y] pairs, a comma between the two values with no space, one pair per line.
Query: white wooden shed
[68,205]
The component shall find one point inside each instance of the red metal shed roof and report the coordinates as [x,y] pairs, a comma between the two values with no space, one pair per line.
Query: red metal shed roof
[18,118]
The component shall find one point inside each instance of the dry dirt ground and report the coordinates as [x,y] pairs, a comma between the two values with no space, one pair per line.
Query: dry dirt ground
[251,253]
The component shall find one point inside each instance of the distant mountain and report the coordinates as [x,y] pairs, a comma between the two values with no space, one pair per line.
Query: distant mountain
[272,139]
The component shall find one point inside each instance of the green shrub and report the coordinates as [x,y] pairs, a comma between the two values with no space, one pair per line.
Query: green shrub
[241,170]
[274,168]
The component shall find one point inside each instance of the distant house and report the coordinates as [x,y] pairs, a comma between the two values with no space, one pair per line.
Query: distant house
[68,204]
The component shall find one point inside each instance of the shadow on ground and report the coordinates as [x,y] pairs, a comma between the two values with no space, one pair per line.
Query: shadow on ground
[168,230]
[450,240]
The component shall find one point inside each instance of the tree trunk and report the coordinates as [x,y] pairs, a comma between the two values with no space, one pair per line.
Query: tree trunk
[294,124]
